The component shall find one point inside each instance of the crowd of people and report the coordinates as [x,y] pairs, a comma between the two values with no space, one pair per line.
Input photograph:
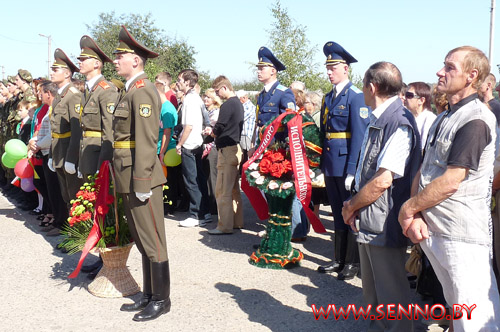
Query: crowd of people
[395,169]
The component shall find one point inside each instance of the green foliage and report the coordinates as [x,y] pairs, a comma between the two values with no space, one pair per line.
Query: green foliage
[174,55]
[289,43]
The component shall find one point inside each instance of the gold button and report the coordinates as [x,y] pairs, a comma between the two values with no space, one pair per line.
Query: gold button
[328,148]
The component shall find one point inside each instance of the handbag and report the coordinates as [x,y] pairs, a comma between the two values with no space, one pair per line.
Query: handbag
[414,262]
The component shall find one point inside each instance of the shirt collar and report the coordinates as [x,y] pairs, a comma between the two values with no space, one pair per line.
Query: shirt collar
[339,87]
[462,102]
[127,85]
[377,112]
[90,83]
[268,86]
[60,90]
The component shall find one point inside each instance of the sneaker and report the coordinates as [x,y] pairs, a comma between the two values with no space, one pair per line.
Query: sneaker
[208,218]
[189,222]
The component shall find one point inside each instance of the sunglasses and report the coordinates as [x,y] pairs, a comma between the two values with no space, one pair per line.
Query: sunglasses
[411,95]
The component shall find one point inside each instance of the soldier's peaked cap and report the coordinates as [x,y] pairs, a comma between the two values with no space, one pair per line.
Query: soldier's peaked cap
[128,44]
[63,61]
[337,54]
[89,49]
[267,58]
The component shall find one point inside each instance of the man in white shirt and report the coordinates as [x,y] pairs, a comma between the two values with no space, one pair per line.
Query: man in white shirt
[418,102]
[190,148]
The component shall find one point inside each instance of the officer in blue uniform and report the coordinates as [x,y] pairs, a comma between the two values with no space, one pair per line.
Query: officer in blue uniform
[344,118]
[275,98]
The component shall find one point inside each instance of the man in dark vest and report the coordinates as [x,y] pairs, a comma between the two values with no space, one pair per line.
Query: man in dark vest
[389,160]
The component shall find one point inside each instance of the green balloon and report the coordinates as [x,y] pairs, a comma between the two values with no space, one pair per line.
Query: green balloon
[171,158]
[16,148]
[8,161]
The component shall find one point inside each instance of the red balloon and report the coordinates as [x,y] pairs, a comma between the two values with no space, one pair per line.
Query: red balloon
[23,169]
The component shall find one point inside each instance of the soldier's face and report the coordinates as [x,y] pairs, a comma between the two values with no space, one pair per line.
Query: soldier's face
[265,74]
[3,90]
[452,78]
[19,82]
[57,75]
[86,65]
[337,73]
[124,64]
[12,88]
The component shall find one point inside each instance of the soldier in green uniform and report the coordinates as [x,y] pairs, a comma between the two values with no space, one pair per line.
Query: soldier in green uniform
[3,117]
[98,104]
[65,130]
[96,119]
[23,81]
[12,117]
[139,176]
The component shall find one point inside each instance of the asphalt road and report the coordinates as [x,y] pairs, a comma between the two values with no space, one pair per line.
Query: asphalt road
[213,287]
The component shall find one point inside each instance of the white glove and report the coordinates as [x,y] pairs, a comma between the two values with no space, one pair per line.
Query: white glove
[69,167]
[80,176]
[348,181]
[50,164]
[143,196]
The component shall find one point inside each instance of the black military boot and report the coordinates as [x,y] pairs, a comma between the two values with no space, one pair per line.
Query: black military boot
[146,288]
[351,267]
[160,301]
[340,252]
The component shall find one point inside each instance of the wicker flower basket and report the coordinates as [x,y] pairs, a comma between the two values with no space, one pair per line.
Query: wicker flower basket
[114,279]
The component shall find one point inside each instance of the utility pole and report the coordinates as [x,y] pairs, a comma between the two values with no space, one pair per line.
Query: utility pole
[49,41]
[3,72]
[492,31]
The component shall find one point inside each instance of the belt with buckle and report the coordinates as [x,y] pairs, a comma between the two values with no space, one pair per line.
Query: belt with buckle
[63,135]
[338,135]
[124,144]
[91,133]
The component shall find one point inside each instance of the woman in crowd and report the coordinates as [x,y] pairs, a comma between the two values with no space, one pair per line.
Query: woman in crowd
[209,158]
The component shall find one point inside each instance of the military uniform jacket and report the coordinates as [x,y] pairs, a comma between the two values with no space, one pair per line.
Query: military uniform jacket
[347,113]
[64,120]
[137,118]
[96,119]
[273,103]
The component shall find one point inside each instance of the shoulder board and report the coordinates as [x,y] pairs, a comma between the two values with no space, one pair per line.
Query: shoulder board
[104,85]
[140,84]
[281,87]
[355,89]
[74,90]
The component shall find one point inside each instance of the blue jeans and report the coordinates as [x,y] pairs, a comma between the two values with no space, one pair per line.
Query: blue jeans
[195,182]
[300,224]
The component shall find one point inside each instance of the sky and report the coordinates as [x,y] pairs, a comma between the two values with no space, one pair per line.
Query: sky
[414,35]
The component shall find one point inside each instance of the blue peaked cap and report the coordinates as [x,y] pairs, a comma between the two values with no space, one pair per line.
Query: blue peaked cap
[267,58]
[337,54]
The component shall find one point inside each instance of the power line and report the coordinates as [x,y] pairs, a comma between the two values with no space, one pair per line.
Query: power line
[20,41]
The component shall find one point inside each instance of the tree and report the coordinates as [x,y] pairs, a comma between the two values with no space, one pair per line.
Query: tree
[288,41]
[174,55]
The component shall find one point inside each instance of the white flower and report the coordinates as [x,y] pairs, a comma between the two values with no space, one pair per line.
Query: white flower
[260,180]
[311,174]
[273,185]
[253,166]
[255,174]
[286,185]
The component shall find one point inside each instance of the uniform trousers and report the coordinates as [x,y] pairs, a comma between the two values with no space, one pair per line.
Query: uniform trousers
[384,281]
[146,224]
[70,184]
[227,189]
[466,273]
[335,187]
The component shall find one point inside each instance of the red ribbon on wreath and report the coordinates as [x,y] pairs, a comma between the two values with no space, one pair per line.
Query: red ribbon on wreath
[101,208]
[299,164]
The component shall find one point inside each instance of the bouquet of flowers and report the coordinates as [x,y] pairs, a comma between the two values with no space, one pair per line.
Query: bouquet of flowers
[113,226]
